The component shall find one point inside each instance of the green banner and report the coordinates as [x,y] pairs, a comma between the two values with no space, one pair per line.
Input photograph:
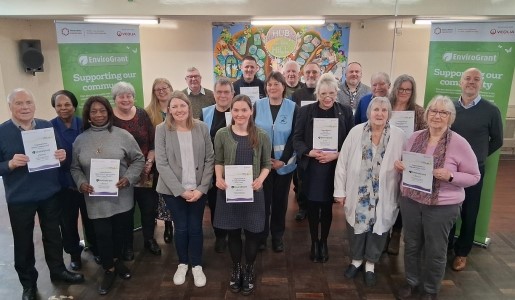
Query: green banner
[96,56]
[455,47]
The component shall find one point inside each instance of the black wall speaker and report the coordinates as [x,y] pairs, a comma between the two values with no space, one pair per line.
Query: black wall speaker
[31,56]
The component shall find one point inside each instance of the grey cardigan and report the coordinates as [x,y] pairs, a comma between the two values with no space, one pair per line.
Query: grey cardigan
[169,163]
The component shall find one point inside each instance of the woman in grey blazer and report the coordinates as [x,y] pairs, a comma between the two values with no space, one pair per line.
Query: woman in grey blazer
[184,159]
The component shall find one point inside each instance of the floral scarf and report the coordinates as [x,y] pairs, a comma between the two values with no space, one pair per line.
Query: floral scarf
[420,146]
[368,191]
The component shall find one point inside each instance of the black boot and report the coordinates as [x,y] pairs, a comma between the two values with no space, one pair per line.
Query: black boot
[248,280]
[235,283]
[324,251]
[315,252]
[168,234]
[107,282]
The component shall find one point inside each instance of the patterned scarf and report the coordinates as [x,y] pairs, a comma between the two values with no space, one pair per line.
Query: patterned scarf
[368,191]
[420,146]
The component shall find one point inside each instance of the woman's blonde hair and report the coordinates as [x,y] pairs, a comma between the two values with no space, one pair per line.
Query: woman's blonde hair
[153,109]
[170,121]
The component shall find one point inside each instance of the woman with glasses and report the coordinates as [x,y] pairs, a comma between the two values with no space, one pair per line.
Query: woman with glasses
[428,217]
[157,108]
[403,97]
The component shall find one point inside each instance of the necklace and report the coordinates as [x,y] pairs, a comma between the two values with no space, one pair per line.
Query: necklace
[99,146]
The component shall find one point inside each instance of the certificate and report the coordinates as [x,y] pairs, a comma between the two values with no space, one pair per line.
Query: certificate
[306,102]
[405,120]
[325,134]
[239,184]
[40,147]
[104,174]
[418,171]
[251,91]
[228,118]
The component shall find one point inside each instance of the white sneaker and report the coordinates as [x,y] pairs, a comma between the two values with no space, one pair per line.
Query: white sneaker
[180,274]
[198,276]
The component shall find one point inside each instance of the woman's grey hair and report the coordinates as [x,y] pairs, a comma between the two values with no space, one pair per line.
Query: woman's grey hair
[383,101]
[327,79]
[447,103]
[122,87]
[397,85]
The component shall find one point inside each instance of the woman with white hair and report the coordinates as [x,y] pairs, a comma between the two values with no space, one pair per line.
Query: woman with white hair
[367,184]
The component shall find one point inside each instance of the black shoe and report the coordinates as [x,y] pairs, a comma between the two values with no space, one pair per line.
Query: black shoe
[406,292]
[152,246]
[277,245]
[122,270]
[315,252]
[67,276]
[351,271]
[323,252]
[301,215]
[128,254]
[30,293]
[97,259]
[168,234]
[75,262]
[107,282]
[220,245]
[370,278]
[248,280]
[262,245]
[236,278]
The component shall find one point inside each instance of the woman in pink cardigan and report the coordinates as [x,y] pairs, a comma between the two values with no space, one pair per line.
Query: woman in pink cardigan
[428,217]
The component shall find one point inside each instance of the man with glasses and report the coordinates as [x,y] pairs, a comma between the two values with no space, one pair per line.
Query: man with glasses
[199,96]
[479,122]
[352,88]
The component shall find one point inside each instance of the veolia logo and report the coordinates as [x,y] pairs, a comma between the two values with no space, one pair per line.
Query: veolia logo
[103,59]
[468,56]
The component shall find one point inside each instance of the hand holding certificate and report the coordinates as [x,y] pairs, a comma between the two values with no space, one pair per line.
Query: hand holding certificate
[238,179]
[104,176]
[40,147]
[418,171]
[325,134]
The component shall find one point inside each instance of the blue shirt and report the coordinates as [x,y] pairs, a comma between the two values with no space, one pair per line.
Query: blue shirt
[66,136]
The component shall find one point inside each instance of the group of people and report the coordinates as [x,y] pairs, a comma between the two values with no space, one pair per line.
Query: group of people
[174,156]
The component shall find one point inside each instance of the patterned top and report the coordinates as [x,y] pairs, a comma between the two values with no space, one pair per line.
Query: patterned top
[141,128]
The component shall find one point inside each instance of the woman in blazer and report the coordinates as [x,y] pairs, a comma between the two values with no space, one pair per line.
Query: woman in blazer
[184,159]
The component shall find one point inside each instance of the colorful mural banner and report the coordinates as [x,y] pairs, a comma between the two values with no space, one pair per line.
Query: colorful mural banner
[96,56]
[455,47]
[272,46]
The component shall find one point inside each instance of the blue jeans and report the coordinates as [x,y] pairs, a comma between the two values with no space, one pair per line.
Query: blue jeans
[187,218]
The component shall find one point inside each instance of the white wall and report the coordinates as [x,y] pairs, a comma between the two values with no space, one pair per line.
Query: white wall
[170,48]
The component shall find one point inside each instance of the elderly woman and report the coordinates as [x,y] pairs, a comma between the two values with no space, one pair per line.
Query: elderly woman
[316,166]
[67,127]
[403,97]
[380,84]
[276,115]
[136,121]
[428,218]
[157,110]
[367,184]
[111,216]
[242,143]
[184,159]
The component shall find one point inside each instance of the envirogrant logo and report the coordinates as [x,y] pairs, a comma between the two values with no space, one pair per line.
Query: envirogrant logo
[459,57]
[103,59]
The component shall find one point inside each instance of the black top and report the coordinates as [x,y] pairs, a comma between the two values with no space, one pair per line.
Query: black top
[303,94]
[255,82]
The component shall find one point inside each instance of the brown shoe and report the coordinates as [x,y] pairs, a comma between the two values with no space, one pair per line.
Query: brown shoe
[459,263]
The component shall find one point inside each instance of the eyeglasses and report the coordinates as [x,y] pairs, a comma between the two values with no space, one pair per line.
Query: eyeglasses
[161,90]
[405,91]
[442,113]
[193,76]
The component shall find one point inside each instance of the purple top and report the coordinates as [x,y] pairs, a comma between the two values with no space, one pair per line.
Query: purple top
[461,161]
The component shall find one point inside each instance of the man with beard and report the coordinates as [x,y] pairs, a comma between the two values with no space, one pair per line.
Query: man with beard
[352,88]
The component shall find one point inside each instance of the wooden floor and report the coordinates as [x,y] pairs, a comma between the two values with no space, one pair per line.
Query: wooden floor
[288,275]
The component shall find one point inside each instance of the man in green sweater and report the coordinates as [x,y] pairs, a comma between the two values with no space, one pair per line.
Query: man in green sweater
[200,97]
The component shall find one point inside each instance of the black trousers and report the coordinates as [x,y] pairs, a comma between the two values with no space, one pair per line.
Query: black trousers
[71,202]
[211,201]
[302,200]
[147,202]
[22,224]
[111,235]
[276,188]
[469,212]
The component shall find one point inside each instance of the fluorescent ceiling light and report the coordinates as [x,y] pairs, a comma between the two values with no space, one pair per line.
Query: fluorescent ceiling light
[430,20]
[136,21]
[264,22]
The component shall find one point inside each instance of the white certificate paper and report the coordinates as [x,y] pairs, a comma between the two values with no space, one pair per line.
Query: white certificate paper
[325,134]
[251,91]
[104,174]
[228,118]
[405,120]
[418,172]
[40,147]
[306,102]
[239,183]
